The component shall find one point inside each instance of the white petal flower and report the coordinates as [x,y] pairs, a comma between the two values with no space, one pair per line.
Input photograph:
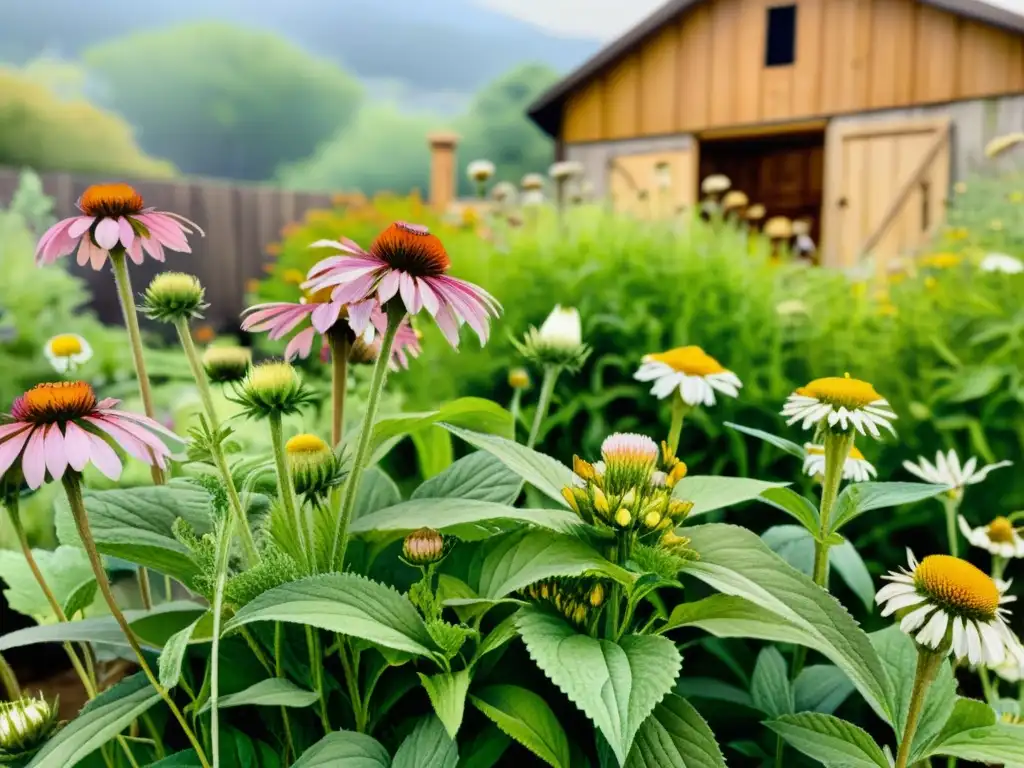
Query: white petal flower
[947,470]
[562,329]
[999,537]
[67,352]
[566,169]
[840,402]
[691,372]
[1011,670]
[480,170]
[857,469]
[1003,263]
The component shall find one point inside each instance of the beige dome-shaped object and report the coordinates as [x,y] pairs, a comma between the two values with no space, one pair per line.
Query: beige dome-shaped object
[735,199]
[801,227]
[715,184]
[532,181]
[778,228]
[755,212]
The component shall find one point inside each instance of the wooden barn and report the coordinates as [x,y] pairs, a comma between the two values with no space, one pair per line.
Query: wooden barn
[856,114]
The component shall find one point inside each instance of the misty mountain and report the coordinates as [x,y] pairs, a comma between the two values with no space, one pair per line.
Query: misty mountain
[434,45]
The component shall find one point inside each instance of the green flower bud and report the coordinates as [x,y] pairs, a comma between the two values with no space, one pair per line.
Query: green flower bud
[25,724]
[313,465]
[424,547]
[518,378]
[652,519]
[174,296]
[271,388]
[227,364]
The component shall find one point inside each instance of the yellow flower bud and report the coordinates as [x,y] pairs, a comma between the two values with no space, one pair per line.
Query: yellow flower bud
[518,378]
[597,595]
[583,468]
[580,614]
[570,499]
[600,501]
[651,519]
[677,473]
[623,518]
[629,498]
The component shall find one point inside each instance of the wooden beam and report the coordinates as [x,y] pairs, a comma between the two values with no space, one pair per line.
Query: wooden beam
[762,130]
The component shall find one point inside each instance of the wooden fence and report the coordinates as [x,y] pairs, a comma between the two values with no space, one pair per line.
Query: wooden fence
[240,221]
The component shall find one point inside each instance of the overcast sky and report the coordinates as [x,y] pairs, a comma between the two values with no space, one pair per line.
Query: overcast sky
[603,19]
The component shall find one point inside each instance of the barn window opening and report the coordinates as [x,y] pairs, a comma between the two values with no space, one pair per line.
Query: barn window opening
[780,40]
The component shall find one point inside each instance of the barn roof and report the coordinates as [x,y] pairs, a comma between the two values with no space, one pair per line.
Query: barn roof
[546,110]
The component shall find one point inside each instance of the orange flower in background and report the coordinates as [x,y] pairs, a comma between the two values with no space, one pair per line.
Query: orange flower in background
[204,334]
[252,285]
[274,249]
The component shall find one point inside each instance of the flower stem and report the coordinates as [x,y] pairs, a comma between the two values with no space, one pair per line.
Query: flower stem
[547,390]
[514,408]
[223,555]
[675,430]
[928,663]
[990,691]
[216,449]
[837,449]
[286,492]
[73,489]
[999,566]
[317,671]
[279,672]
[951,507]
[339,382]
[9,681]
[362,455]
[131,321]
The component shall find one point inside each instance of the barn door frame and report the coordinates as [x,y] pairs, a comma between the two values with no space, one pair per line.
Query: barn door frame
[684,188]
[834,204]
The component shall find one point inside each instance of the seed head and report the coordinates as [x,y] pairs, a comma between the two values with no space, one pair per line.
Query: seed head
[174,296]
[227,364]
[271,388]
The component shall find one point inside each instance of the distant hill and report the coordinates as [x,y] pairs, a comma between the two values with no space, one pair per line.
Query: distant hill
[434,45]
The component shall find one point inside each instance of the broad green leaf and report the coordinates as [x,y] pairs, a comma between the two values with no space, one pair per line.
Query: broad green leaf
[794,505]
[675,736]
[98,722]
[434,451]
[65,570]
[428,746]
[80,598]
[710,492]
[544,473]
[528,719]
[185,759]
[617,685]
[344,603]
[503,633]
[345,748]
[173,654]
[447,692]
[851,568]
[469,413]
[729,616]
[480,476]
[736,562]
[484,749]
[833,742]
[272,692]
[858,498]
[690,687]
[968,714]
[899,656]
[134,524]
[779,442]
[770,689]
[821,688]
[998,743]
[376,491]
[516,560]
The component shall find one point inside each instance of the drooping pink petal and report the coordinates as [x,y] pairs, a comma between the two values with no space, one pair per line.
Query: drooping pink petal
[301,344]
[475,315]
[287,322]
[8,430]
[56,458]
[474,292]
[33,459]
[125,232]
[377,317]
[410,296]
[165,230]
[134,251]
[188,222]
[130,444]
[325,315]
[344,244]
[61,245]
[427,296]
[359,315]
[153,248]
[143,421]
[103,456]
[140,433]
[51,233]
[10,449]
[76,446]
[448,324]
[359,289]
[80,226]
[388,286]
[107,233]
[262,317]
[342,266]
[84,252]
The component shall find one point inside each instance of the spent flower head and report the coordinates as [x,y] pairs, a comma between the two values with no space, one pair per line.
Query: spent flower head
[691,372]
[224,365]
[25,725]
[173,296]
[999,537]
[67,351]
[840,404]
[269,388]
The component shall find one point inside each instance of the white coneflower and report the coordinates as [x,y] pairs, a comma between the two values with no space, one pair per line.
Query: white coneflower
[532,181]
[840,402]
[505,193]
[67,352]
[947,470]
[1011,670]
[716,184]
[944,599]
[690,371]
[999,537]
[558,341]
[532,198]
[856,469]
[1003,263]
[480,171]
[566,169]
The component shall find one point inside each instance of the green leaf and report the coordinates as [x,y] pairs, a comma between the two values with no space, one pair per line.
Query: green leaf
[503,633]
[968,714]
[858,498]
[511,562]
[469,413]
[850,566]
[528,719]
[485,749]
[447,692]
[479,476]
[728,616]
[428,746]
[972,733]
[173,654]
[617,685]
[675,736]
[709,492]
[794,505]
[376,491]
[184,759]
[769,687]
[690,687]
[779,442]
[98,722]
[345,603]
[544,473]
[433,450]
[735,561]
[65,570]
[821,688]
[345,748]
[134,524]
[273,692]
[833,742]
[80,598]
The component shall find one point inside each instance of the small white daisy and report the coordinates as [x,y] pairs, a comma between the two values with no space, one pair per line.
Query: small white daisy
[1003,263]
[856,469]
[848,403]
[943,598]
[67,352]
[480,171]
[947,470]
[691,372]
[998,537]
[566,169]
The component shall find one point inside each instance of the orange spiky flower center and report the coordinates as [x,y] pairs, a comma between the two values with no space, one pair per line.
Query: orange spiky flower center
[841,391]
[1001,531]
[411,248]
[55,402]
[111,200]
[691,360]
[958,587]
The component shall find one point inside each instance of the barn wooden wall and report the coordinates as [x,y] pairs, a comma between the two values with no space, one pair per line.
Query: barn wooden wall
[706,70]
[239,221]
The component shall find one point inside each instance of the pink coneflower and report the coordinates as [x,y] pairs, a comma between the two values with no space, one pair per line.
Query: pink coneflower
[408,262]
[114,216]
[61,425]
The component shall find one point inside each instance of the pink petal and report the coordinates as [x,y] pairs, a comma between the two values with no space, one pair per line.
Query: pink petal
[377,317]
[448,324]
[132,446]
[8,430]
[410,296]
[301,344]
[388,286]
[473,292]
[103,456]
[326,315]
[107,233]
[181,219]
[56,242]
[76,446]
[359,289]
[143,421]
[56,459]
[166,231]
[53,232]
[344,244]
[153,248]
[33,460]
[138,432]
[10,449]
[80,226]
[428,297]
[134,251]
[125,232]
[359,315]
[107,402]
[266,315]
[475,315]
[83,253]
[286,323]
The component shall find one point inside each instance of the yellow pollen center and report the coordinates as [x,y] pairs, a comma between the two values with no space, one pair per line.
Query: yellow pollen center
[692,360]
[1001,531]
[958,586]
[306,443]
[60,401]
[841,391]
[111,200]
[66,345]
[323,296]
[856,454]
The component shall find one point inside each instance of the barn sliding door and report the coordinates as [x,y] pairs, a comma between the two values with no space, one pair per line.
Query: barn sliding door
[633,186]
[886,186]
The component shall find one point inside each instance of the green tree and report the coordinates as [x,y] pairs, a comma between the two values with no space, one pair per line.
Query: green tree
[224,101]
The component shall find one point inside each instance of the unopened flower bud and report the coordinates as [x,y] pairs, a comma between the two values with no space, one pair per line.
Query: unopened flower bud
[580,614]
[570,499]
[678,510]
[652,519]
[623,518]
[271,388]
[597,595]
[173,296]
[659,479]
[314,468]
[584,469]
[582,500]
[423,547]
[518,378]
[629,498]
[671,540]
[677,473]
[226,364]
[24,725]
[600,501]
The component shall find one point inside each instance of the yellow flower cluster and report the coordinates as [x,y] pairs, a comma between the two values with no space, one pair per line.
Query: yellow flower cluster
[576,599]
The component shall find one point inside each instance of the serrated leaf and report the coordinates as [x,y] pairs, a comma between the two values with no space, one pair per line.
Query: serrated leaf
[98,722]
[675,736]
[173,654]
[999,743]
[833,742]
[794,505]
[730,616]
[821,688]
[376,491]
[272,692]
[447,692]
[479,476]
[770,689]
[469,413]
[779,442]
[527,718]
[617,685]
[428,746]
[967,715]
[345,748]
[345,603]
[516,560]
[65,569]
[735,561]
[710,492]
[858,498]
[81,598]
